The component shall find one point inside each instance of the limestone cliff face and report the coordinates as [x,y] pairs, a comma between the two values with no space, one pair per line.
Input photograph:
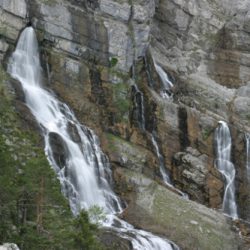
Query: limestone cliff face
[94,51]
[206,44]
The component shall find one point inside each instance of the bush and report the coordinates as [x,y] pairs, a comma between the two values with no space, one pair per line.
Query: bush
[113,62]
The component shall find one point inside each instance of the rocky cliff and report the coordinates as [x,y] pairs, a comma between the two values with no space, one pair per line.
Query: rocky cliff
[94,53]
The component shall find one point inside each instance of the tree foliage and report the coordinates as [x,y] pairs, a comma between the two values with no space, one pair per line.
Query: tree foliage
[85,233]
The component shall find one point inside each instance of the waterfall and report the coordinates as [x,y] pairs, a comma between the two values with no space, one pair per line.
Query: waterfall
[149,74]
[139,108]
[226,167]
[165,175]
[247,137]
[163,171]
[82,168]
[138,100]
[167,85]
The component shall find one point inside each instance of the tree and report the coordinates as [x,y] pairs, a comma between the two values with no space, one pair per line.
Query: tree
[84,236]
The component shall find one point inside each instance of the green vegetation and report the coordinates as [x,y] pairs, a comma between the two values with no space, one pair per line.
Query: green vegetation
[206,133]
[111,141]
[121,101]
[96,215]
[84,238]
[33,212]
[113,62]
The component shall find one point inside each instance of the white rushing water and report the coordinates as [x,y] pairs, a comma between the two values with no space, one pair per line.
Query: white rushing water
[165,175]
[82,168]
[167,85]
[247,137]
[226,167]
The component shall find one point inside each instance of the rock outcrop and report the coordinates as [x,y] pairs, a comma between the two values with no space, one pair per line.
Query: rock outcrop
[165,213]
[206,44]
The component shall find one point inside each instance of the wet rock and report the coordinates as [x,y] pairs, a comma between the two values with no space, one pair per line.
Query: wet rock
[74,132]
[110,239]
[183,127]
[59,149]
[214,188]
[18,90]
[97,90]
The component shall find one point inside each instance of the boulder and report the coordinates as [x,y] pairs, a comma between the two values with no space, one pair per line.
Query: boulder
[188,224]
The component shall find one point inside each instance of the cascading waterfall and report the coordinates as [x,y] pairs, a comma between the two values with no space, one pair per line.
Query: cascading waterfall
[79,184]
[247,137]
[165,175]
[167,84]
[83,170]
[226,167]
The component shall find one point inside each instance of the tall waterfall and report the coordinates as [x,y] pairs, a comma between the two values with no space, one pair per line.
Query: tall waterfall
[82,169]
[226,167]
[247,137]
